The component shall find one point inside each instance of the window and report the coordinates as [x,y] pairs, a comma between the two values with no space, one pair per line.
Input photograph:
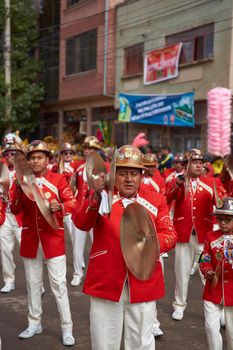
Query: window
[72,2]
[81,52]
[198,43]
[134,59]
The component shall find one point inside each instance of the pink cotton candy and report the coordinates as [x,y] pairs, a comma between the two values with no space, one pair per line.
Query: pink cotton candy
[219,121]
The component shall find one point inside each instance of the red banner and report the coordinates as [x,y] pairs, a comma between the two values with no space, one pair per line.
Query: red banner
[161,64]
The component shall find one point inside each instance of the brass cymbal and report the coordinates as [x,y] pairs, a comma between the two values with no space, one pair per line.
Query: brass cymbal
[94,167]
[4,179]
[110,179]
[44,206]
[227,170]
[139,243]
[24,174]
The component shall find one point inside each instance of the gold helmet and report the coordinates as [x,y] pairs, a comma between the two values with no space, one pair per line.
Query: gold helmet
[193,154]
[91,142]
[129,156]
[38,146]
[67,147]
[11,147]
[225,207]
[179,158]
[150,159]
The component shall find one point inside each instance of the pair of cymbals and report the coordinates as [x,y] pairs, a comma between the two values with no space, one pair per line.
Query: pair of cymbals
[139,243]
[95,166]
[27,182]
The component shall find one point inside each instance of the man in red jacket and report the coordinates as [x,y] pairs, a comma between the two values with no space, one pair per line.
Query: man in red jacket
[193,198]
[152,176]
[216,264]
[10,231]
[118,298]
[40,241]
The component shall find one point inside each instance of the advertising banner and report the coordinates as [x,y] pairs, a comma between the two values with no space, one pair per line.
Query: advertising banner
[173,110]
[161,64]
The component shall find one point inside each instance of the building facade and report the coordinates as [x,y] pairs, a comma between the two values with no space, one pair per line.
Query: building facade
[86,69]
[204,27]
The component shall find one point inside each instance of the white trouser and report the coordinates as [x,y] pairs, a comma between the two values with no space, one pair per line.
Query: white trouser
[212,325]
[57,279]
[184,258]
[107,319]
[9,231]
[78,239]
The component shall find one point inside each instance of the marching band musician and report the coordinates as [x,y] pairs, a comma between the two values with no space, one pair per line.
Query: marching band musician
[10,231]
[66,165]
[176,170]
[194,198]
[91,143]
[152,175]
[216,264]
[40,240]
[117,297]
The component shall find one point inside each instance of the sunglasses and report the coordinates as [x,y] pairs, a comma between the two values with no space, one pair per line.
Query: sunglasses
[68,153]
[224,219]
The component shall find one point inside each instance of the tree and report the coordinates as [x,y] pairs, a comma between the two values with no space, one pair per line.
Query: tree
[27,89]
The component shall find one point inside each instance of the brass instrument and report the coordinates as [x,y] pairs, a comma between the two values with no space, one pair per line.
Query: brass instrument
[139,243]
[4,180]
[27,182]
[95,166]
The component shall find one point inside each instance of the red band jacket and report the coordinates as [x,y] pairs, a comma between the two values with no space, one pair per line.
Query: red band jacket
[156,182]
[213,258]
[107,271]
[35,228]
[2,211]
[193,210]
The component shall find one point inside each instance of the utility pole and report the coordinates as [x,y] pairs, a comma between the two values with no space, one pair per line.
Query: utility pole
[7,60]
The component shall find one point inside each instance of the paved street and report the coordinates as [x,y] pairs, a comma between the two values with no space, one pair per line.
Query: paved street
[185,335]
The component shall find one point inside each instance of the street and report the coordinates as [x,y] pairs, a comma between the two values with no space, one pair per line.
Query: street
[187,334]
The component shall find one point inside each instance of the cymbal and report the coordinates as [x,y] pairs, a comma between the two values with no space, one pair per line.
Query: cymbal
[94,167]
[139,243]
[227,170]
[24,174]
[44,206]
[110,179]
[4,178]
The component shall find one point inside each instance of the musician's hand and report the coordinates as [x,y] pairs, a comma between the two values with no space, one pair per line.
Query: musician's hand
[99,182]
[180,180]
[209,275]
[55,205]
[99,185]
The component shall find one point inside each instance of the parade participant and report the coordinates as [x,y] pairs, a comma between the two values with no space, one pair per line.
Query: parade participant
[176,170]
[193,199]
[118,298]
[10,231]
[166,159]
[40,241]
[216,264]
[66,165]
[91,143]
[152,175]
